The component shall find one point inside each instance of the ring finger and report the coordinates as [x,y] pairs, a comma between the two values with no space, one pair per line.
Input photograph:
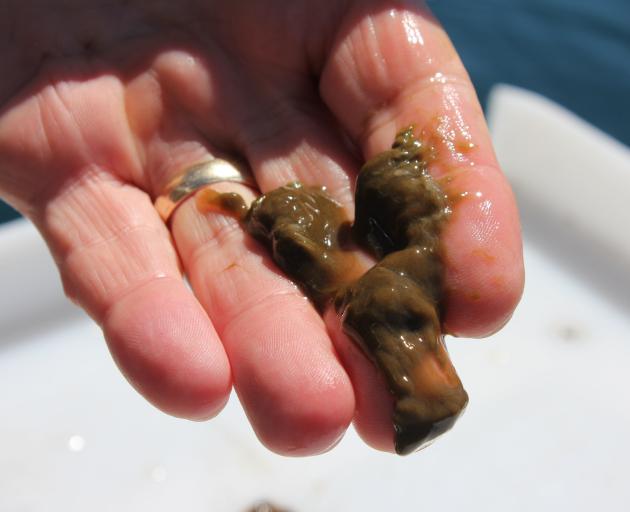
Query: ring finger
[294,391]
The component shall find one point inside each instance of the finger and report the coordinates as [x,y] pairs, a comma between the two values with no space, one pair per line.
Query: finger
[299,142]
[296,394]
[116,260]
[374,403]
[294,390]
[390,68]
[278,124]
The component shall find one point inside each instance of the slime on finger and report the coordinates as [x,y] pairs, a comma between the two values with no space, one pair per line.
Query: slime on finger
[392,311]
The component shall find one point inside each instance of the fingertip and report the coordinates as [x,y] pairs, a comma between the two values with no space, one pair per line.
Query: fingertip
[374,403]
[295,392]
[165,345]
[310,426]
[485,305]
[310,420]
[483,255]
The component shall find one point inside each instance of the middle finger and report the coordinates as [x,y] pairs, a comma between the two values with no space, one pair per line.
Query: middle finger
[294,391]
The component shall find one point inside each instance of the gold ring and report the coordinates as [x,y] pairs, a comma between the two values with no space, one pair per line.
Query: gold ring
[194,178]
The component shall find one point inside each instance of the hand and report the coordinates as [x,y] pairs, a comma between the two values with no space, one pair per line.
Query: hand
[104,102]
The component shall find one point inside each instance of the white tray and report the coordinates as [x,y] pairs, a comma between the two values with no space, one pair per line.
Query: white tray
[546,429]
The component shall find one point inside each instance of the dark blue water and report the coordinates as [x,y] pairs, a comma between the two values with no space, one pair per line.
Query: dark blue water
[576,52]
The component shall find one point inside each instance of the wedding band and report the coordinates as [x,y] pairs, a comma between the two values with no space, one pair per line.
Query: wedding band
[194,178]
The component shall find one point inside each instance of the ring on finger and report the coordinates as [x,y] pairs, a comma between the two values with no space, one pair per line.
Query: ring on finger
[196,177]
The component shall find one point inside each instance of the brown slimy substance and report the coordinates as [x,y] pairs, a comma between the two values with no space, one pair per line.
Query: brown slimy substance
[397,202]
[307,234]
[393,311]
[391,315]
[225,202]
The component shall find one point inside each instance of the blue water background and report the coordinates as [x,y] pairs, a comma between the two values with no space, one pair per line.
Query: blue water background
[576,52]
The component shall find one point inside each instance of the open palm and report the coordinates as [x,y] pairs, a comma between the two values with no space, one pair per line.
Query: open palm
[101,105]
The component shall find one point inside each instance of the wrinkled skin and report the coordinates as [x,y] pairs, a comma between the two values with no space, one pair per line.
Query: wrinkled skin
[102,103]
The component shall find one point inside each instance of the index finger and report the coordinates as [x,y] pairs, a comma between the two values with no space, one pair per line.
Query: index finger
[389,68]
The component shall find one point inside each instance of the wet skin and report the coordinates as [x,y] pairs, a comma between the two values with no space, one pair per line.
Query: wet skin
[104,103]
[392,311]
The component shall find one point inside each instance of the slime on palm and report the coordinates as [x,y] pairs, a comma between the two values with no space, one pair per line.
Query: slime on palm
[392,311]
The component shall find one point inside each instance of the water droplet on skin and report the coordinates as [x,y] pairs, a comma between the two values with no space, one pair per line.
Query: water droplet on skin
[486,207]
[412,31]
[438,78]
